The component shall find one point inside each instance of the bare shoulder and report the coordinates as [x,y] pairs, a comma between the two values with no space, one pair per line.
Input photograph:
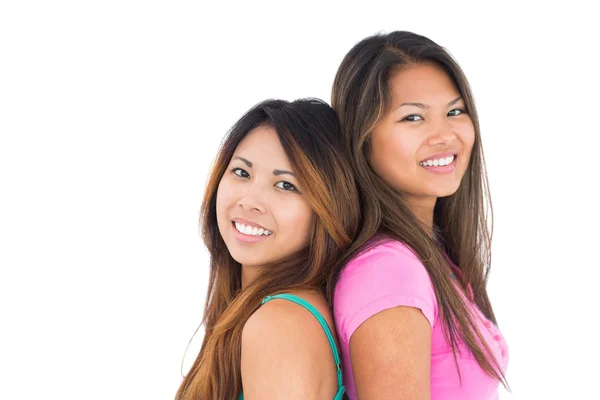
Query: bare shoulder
[285,322]
[285,351]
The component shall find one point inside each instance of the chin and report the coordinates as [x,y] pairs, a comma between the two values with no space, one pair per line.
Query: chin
[446,194]
[445,191]
[247,257]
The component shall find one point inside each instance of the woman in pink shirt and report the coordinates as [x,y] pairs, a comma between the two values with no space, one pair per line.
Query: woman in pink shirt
[410,303]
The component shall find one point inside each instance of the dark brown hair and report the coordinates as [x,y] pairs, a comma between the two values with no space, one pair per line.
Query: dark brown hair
[310,136]
[361,96]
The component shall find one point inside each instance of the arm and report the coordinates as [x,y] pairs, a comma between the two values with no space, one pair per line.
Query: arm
[391,355]
[385,309]
[286,355]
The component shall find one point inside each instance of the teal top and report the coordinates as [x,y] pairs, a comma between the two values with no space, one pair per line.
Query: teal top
[319,317]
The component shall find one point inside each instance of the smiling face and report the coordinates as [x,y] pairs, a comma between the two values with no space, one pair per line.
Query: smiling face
[261,213]
[422,145]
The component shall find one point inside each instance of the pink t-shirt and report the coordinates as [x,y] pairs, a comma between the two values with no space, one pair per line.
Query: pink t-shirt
[390,275]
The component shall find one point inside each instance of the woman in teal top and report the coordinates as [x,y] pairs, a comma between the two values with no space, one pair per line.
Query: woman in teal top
[280,208]
[323,323]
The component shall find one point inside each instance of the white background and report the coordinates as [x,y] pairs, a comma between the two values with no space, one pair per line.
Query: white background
[112,111]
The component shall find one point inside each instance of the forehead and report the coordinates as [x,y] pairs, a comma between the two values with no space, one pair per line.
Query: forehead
[422,83]
[262,146]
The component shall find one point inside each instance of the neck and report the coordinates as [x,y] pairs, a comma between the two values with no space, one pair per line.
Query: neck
[249,273]
[423,208]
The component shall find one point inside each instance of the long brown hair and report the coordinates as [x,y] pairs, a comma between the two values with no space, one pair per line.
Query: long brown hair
[361,96]
[310,136]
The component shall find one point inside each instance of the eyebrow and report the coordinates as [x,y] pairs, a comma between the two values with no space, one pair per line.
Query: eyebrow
[277,172]
[421,105]
[248,163]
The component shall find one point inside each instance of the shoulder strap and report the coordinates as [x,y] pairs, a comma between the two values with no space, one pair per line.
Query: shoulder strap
[323,323]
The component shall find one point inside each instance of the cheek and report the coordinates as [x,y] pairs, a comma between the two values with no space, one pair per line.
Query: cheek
[296,220]
[224,200]
[467,137]
[394,152]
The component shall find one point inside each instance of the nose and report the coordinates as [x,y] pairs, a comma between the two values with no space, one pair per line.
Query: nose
[252,199]
[442,133]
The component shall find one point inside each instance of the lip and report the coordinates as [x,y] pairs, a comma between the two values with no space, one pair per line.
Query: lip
[247,238]
[242,237]
[441,169]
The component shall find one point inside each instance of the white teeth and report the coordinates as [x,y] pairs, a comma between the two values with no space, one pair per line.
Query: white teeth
[251,230]
[439,162]
[446,161]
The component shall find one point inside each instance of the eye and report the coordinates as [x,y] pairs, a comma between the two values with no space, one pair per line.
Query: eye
[456,112]
[412,118]
[286,186]
[240,172]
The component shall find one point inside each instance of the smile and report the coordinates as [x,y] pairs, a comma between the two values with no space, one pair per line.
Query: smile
[440,162]
[251,230]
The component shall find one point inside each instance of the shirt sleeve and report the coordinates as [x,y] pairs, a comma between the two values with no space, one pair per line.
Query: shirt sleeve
[385,276]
